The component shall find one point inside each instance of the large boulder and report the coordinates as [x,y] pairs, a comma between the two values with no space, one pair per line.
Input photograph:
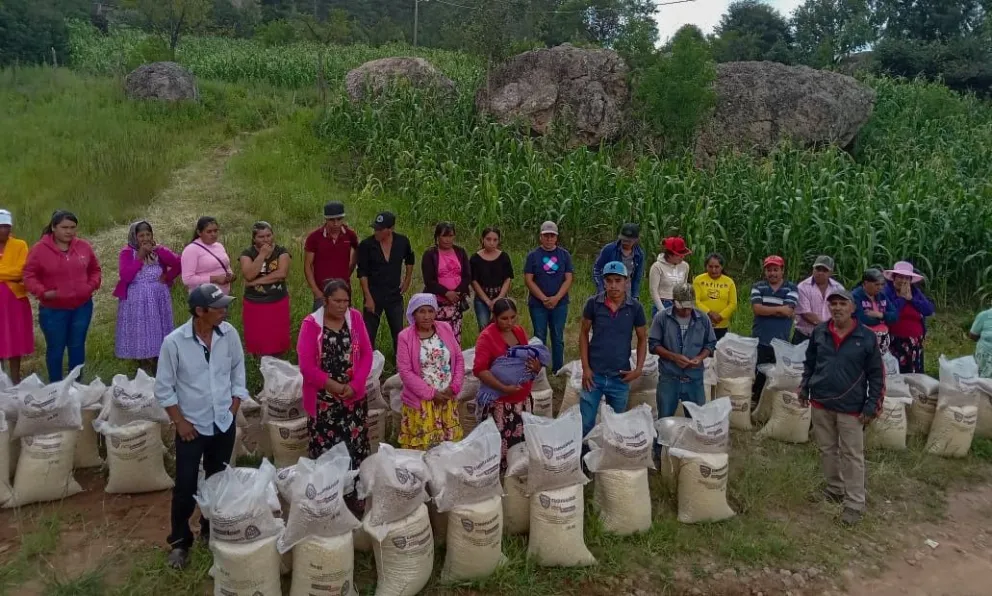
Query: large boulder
[760,104]
[373,78]
[166,81]
[586,88]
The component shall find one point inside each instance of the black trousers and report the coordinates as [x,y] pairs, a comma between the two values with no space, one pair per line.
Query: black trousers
[214,451]
[395,315]
[766,355]
[798,337]
[719,333]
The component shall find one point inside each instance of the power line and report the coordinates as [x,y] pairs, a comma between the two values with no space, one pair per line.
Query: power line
[448,3]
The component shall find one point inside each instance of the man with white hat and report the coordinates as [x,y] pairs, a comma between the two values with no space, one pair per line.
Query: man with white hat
[682,337]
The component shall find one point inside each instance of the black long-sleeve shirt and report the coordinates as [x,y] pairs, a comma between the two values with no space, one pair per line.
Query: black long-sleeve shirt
[845,374]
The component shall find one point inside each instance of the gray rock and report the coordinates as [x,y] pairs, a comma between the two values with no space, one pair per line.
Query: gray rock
[584,88]
[374,77]
[166,81]
[761,104]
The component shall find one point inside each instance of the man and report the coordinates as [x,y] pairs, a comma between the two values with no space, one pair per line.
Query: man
[626,250]
[773,301]
[384,279]
[200,382]
[844,380]
[331,252]
[682,337]
[548,277]
[812,308]
[612,316]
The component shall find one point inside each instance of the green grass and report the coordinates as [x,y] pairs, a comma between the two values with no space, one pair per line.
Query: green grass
[41,541]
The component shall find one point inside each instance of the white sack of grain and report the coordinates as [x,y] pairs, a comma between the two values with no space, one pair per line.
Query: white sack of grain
[763,410]
[707,431]
[48,409]
[4,457]
[738,389]
[668,469]
[404,557]
[133,400]
[239,447]
[623,500]
[282,390]
[324,567]
[710,378]
[316,496]
[516,506]
[554,449]
[392,391]
[556,528]
[466,472]
[439,523]
[923,390]
[983,428]
[290,440]
[245,569]
[468,411]
[648,381]
[88,446]
[239,507]
[957,375]
[373,386]
[376,428]
[702,487]
[952,431]
[647,398]
[135,457]
[735,357]
[895,382]
[573,385]
[622,441]
[394,482]
[888,430]
[542,402]
[785,374]
[44,469]
[790,420]
[474,541]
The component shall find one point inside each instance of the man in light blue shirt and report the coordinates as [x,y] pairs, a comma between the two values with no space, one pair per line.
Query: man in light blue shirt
[200,382]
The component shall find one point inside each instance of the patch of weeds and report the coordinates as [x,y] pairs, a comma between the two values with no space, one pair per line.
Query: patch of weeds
[42,541]
[150,575]
[90,583]
[981,449]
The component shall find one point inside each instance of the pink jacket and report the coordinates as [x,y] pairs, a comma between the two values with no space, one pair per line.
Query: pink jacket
[201,262]
[415,389]
[75,276]
[130,266]
[310,350]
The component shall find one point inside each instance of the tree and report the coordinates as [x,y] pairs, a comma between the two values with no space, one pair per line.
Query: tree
[749,30]
[30,30]
[827,31]
[236,17]
[172,18]
[931,20]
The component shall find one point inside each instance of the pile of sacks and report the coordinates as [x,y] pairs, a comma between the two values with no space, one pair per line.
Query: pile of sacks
[735,361]
[695,460]
[779,407]
[283,418]
[890,428]
[956,416]
[620,454]
[643,391]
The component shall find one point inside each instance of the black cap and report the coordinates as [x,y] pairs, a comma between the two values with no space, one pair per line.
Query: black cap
[209,296]
[840,293]
[630,231]
[333,210]
[383,221]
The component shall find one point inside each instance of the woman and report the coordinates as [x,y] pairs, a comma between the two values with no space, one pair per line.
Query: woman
[431,367]
[492,273]
[981,332]
[144,310]
[716,294]
[204,259]
[63,274]
[16,322]
[447,275]
[873,308]
[494,341]
[335,357]
[668,271]
[266,317]
[912,308]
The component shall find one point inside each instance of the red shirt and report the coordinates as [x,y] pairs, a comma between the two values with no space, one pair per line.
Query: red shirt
[910,323]
[491,346]
[331,257]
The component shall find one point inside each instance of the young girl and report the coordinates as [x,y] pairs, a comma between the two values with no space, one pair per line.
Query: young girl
[492,274]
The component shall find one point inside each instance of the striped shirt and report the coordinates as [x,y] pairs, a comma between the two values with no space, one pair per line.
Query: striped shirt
[813,301]
[768,328]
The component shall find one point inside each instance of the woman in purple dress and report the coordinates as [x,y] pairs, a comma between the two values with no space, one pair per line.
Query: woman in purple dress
[144,314]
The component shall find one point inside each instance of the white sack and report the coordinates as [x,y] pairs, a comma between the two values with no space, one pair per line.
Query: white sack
[282,390]
[49,409]
[474,541]
[556,528]
[44,469]
[135,458]
[554,449]
[702,488]
[466,472]
[736,356]
[245,569]
[404,558]
[290,440]
[790,420]
[888,431]
[133,400]
[623,500]
[88,445]
[239,506]
[622,441]
[324,567]
[395,483]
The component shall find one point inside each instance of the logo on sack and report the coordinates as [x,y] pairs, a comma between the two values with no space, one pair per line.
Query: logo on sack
[468,469]
[545,500]
[294,412]
[252,532]
[402,475]
[28,441]
[958,417]
[399,542]
[468,524]
[705,471]
[283,474]
[115,441]
[284,433]
[311,491]
[345,587]
[547,451]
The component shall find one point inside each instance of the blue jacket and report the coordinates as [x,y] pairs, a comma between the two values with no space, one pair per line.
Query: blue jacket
[614,252]
[665,332]
[862,303]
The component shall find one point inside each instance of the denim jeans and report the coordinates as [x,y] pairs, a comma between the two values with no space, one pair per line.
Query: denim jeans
[482,314]
[553,319]
[665,303]
[613,389]
[672,390]
[64,329]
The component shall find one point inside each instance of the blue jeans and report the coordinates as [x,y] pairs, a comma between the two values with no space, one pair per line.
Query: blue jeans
[672,390]
[482,313]
[665,303]
[552,319]
[613,389]
[64,328]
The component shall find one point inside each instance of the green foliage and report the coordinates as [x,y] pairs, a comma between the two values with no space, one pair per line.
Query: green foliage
[237,18]
[172,18]
[150,49]
[30,31]
[828,30]
[276,33]
[752,30]
[964,64]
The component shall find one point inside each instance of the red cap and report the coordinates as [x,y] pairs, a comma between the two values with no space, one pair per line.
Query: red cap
[774,260]
[676,246]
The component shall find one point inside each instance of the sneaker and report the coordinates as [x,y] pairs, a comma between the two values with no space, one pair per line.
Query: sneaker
[851,517]
[178,558]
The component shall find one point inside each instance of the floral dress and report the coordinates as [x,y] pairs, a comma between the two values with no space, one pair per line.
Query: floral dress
[510,423]
[437,419]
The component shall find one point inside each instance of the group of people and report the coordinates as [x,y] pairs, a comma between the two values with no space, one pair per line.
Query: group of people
[200,376]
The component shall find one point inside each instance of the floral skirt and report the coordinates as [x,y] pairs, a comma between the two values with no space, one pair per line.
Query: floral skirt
[337,422]
[510,423]
[451,314]
[435,422]
[909,352]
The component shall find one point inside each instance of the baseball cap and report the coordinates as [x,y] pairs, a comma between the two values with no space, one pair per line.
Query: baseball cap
[676,246]
[615,268]
[825,262]
[549,227]
[209,296]
[383,221]
[773,260]
[630,231]
[840,293]
[684,296]
[333,210]
[6,219]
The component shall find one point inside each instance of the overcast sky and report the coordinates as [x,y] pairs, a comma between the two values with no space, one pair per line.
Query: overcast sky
[705,14]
